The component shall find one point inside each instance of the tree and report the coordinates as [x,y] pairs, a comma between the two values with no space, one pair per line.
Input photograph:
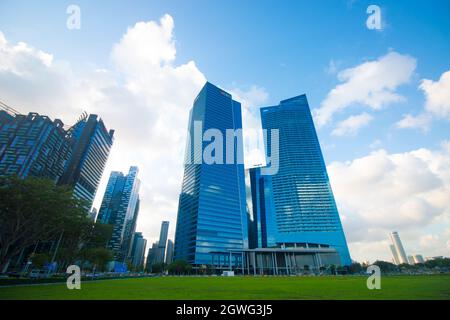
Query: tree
[39,260]
[98,257]
[159,267]
[179,267]
[100,235]
[386,266]
[35,210]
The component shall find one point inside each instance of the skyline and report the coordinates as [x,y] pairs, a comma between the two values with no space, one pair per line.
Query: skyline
[409,167]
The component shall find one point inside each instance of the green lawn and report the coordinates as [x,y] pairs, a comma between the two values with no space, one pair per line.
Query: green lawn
[350,287]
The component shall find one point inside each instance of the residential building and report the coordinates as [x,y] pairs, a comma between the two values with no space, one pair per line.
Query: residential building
[32,145]
[91,144]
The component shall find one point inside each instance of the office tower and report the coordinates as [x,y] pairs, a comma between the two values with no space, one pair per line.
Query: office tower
[138,250]
[151,256]
[211,209]
[160,256]
[260,208]
[91,143]
[394,254]
[305,211]
[418,258]
[120,208]
[32,145]
[169,252]
[410,260]
[395,238]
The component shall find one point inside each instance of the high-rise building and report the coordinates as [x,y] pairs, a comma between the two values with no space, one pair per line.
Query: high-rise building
[32,145]
[120,208]
[399,250]
[418,258]
[394,254]
[151,256]
[211,210]
[138,250]
[303,210]
[161,253]
[91,143]
[260,208]
[169,252]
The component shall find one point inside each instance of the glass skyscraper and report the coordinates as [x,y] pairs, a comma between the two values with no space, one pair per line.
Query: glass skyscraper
[120,208]
[211,212]
[91,143]
[137,252]
[303,210]
[161,254]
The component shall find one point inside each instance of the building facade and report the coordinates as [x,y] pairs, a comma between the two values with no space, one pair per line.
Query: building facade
[91,144]
[211,210]
[32,145]
[397,249]
[169,252]
[300,210]
[138,250]
[120,208]
[162,243]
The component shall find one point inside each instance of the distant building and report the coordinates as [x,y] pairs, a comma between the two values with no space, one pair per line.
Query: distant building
[91,143]
[398,248]
[411,260]
[151,256]
[418,258]
[161,252]
[32,145]
[138,250]
[395,259]
[434,258]
[120,208]
[169,252]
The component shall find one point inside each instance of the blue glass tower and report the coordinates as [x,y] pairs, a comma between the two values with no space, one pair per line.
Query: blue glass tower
[120,208]
[211,211]
[304,208]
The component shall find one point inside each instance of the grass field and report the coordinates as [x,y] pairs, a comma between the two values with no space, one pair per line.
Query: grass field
[254,288]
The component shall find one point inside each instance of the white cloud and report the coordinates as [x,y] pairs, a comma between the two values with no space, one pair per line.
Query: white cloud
[372,84]
[422,121]
[437,104]
[251,100]
[352,124]
[145,96]
[381,192]
[149,108]
[437,95]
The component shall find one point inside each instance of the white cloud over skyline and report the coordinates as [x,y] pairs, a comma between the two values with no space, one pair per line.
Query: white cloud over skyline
[382,192]
[146,95]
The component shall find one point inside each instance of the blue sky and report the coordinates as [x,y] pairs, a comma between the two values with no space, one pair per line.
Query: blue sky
[282,50]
